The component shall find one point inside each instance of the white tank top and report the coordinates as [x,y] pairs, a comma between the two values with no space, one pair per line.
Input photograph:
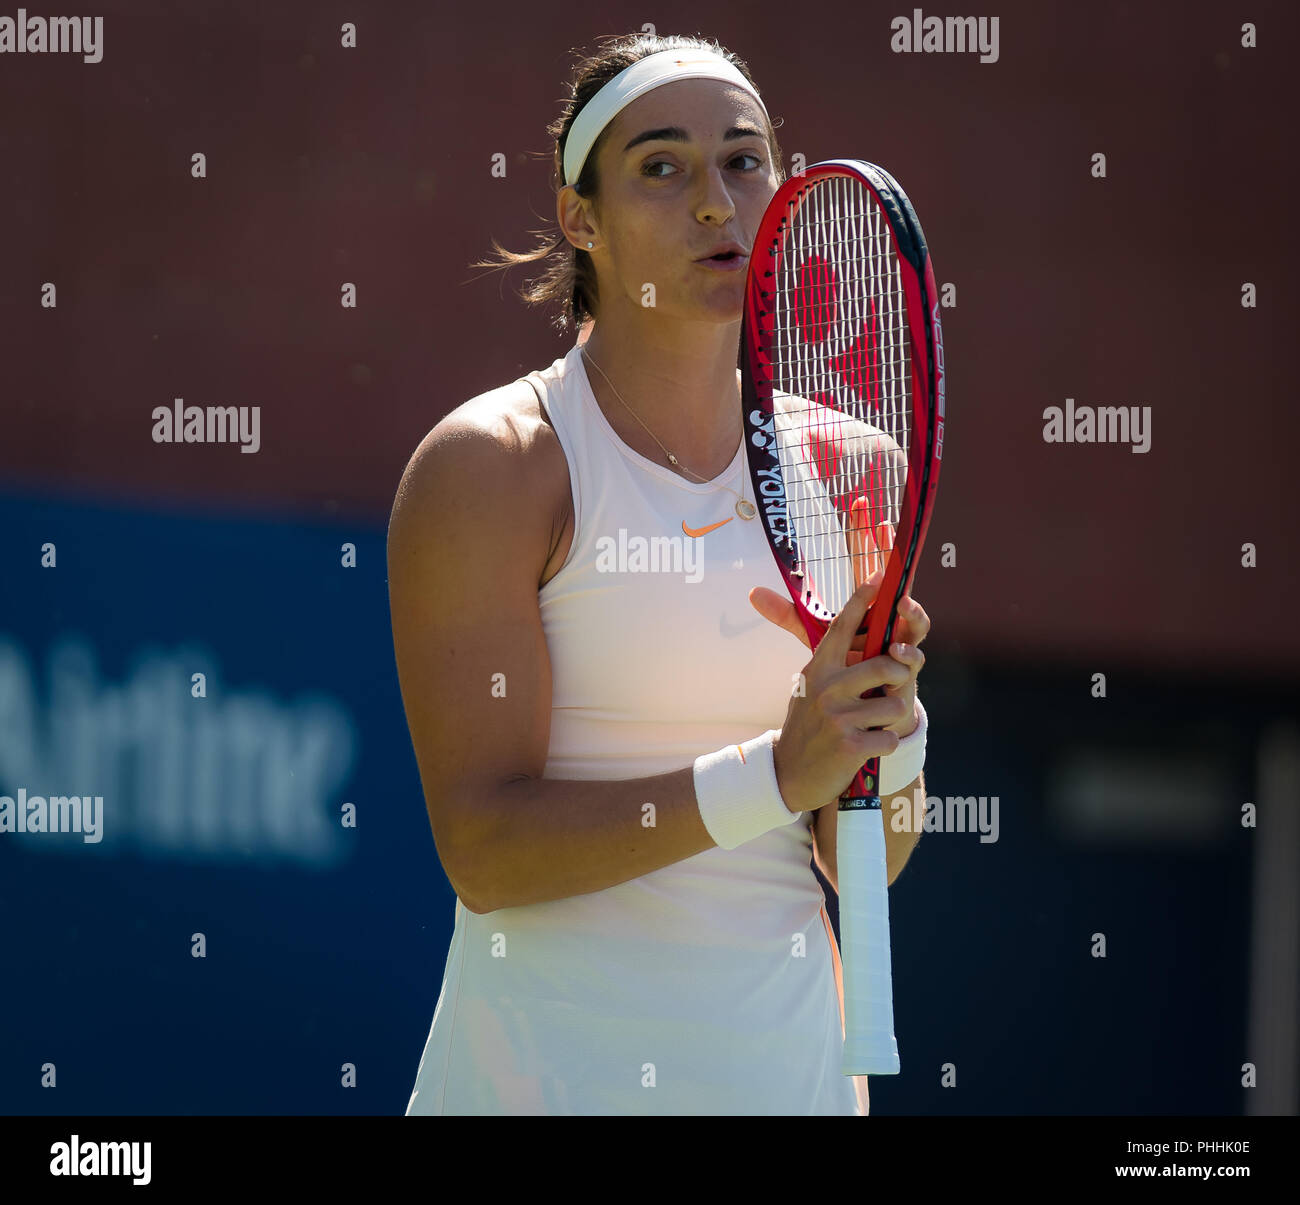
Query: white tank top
[711,986]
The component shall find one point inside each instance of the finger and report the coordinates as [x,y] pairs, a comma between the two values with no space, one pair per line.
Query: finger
[838,641]
[778,610]
[909,655]
[874,672]
[880,711]
[869,544]
[862,544]
[875,742]
[884,542]
[873,584]
[913,624]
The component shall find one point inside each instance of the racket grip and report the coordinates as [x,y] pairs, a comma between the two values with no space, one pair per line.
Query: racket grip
[870,1047]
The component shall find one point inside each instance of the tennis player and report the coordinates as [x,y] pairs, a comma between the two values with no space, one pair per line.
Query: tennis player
[628,757]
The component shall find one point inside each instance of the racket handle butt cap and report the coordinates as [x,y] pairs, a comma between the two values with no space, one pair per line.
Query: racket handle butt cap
[862,1057]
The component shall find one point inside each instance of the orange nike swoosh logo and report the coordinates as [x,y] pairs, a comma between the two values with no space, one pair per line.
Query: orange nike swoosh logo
[696,532]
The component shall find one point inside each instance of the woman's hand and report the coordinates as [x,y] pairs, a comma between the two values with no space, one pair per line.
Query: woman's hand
[831,731]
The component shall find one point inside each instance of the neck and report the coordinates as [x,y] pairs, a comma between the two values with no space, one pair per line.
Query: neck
[681,380]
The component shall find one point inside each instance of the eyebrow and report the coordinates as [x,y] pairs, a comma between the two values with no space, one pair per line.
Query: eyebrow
[677,134]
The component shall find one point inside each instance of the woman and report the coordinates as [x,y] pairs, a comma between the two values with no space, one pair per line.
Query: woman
[595,707]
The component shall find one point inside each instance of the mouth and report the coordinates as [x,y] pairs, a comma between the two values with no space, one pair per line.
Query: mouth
[724,252]
[730,261]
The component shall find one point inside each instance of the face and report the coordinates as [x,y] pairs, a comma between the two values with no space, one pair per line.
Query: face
[698,173]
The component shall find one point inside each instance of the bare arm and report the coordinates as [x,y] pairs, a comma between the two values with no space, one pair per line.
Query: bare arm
[898,845]
[467,545]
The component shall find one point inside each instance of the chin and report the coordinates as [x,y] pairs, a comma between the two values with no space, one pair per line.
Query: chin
[721,305]
[725,314]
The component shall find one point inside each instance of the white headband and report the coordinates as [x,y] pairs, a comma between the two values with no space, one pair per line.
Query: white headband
[662,67]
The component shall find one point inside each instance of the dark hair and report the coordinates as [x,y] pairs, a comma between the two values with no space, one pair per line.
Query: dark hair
[570,277]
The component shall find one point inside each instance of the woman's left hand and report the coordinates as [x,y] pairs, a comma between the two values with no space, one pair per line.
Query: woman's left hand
[911,627]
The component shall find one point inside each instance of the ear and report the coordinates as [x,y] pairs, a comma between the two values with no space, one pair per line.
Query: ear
[573,218]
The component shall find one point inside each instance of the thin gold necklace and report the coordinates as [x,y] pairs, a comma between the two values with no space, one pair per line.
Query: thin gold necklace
[744,508]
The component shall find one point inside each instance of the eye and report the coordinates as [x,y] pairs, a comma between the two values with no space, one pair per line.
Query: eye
[648,169]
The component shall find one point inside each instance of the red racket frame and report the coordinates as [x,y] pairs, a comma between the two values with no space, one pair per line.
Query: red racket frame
[925,449]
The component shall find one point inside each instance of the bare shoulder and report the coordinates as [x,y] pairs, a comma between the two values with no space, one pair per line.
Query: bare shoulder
[495,457]
[502,427]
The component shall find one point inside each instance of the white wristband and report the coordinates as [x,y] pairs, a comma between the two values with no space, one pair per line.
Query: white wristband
[901,767]
[737,792]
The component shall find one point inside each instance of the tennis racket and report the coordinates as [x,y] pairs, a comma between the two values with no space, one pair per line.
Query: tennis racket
[843,396]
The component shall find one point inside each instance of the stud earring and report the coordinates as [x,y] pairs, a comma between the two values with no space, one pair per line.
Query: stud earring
[590,246]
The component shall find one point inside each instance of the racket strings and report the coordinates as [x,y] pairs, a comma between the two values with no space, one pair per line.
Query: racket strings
[841,377]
